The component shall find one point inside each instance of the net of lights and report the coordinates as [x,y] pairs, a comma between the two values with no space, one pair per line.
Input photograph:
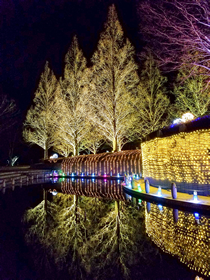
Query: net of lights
[183,157]
[187,239]
[109,164]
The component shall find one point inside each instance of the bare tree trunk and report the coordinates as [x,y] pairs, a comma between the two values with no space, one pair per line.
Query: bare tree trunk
[46,153]
[115,146]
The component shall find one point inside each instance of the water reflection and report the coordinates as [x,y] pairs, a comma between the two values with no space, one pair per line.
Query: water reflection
[85,229]
[86,237]
[185,235]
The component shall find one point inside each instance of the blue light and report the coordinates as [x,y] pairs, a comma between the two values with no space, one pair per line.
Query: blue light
[118,181]
[195,196]
[118,175]
[159,192]
[197,215]
[160,207]
[93,174]
[72,174]
[93,180]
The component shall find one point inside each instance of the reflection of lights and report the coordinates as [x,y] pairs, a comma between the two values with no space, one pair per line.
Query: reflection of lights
[104,174]
[72,179]
[197,215]
[93,180]
[54,179]
[83,180]
[72,174]
[82,174]
[159,191]
[61,179]
[118,181]
[160,207]
[118,175]
[105,180]
[93,174]
[139,188]
[139,201]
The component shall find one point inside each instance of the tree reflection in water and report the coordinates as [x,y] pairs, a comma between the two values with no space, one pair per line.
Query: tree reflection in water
[77,237]
[89,238]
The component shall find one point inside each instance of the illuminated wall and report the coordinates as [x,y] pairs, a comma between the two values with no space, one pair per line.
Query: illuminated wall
[106,163]
[187,239]
[183,158]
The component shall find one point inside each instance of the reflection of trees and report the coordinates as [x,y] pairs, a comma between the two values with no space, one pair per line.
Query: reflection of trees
[81,237]
[40,222]
[117,241]
[71,234]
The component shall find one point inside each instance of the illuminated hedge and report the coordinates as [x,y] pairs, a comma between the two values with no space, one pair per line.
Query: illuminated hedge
[186,239]
[183,158]
[106,163]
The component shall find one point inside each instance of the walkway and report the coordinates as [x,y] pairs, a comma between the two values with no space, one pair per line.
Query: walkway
[164,197]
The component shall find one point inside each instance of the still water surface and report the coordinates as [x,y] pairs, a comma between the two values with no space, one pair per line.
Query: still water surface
[90,229]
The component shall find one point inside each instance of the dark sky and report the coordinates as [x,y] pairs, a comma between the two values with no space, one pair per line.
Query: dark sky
[33,31]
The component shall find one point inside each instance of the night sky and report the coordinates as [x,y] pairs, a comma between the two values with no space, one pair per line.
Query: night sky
[33,31]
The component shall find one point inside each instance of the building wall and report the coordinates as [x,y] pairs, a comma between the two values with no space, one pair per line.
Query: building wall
[183,158]
[106,163]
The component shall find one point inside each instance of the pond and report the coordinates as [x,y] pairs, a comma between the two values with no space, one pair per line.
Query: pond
[90,229]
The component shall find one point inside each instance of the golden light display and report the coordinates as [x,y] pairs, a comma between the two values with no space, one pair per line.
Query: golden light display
[187,239]
[109,189]
[106,163]
[183,158]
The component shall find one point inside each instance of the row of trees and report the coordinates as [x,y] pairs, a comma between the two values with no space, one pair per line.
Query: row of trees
[109,101]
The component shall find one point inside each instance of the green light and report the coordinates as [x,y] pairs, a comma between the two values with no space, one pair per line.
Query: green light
[139,188]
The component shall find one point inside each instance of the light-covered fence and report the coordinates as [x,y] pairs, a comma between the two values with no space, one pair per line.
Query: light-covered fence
[110,164]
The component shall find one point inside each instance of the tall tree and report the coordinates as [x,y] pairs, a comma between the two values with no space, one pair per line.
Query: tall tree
[114,82]
[94,140]
[192,92]
[73,125]
[38,126]
[153,103]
